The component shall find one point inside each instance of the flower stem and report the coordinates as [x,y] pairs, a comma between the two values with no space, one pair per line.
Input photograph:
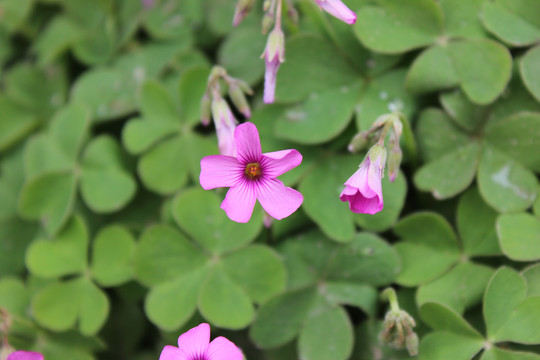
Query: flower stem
[389,294]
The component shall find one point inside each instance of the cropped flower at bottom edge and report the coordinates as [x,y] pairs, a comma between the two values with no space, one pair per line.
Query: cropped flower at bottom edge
[25,355]
[195,345]
[251,176]
[363,190]
[338,9]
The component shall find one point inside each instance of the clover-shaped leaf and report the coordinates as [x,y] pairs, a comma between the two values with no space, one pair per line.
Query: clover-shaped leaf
[59,304]
[163,135]
[323,276]
[221,276]
[55,169]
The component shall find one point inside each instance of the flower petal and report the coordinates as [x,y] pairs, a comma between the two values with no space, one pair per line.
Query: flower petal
[270,74]
[194,343]
[360,179]
[278,201]
[25,355]
[277,163]
[172,353]
[239,201]
[248,144]
[220,171]
[374,180]
[360,204]
[223,349]
[337,9]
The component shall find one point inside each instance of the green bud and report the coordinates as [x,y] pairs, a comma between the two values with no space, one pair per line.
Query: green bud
[411,343]
[206,109]
[358,142]
[377,153]
[245,87]
[267,22]
[394,161]
[266,5]
[293,15]
[243,7]
[239,100]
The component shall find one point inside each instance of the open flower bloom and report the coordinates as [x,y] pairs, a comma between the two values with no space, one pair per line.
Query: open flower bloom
[337,9]
[195,345]
[25,355]
[274,55]
[363,189]
[251,176]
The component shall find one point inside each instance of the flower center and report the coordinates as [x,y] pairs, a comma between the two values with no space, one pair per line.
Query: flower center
[253,171]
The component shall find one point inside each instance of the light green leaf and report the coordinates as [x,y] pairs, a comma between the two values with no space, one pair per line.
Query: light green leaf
[432,70]
[257,270]
[140,135]
[504,183]
[14,297]
[467,115]
[460,288]
[16,123]
[442,345]
[198,213]
[170,304]
[396,27]
[64,255]
[240,54]
[164,254]
[327,334]
[112,253]
[476,225]
[529,71]
[157,104]
[345,293]
[519,236]
[500,354]
[223,302]
[506,290]
[461,18]
[428,248]
[442,318]
[522,325]
[532,275]
[513,21]
[191,88]
[451,174]
[323,116]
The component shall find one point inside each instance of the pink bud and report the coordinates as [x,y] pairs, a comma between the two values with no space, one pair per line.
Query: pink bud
[337,9]
[274,55]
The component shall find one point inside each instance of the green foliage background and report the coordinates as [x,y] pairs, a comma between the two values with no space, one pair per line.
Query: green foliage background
[109,248]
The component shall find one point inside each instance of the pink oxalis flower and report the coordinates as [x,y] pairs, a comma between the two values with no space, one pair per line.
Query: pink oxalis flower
[274,55]
[195,345]
[337,9]
[363,189]
[25,355]
[251,176]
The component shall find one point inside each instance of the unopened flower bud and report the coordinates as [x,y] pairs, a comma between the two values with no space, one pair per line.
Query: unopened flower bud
[267,22]
[5,351]
[411,343]
[206,109]
[293,15]
[239,100]
[244,87]
[394,161]
[358,142]
[266,5]
[225,125]
[243,7]
[274,55]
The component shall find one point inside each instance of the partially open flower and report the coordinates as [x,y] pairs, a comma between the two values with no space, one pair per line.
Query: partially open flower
[363,190]
[195,345]
[274,55]
[225,124]
[337,9]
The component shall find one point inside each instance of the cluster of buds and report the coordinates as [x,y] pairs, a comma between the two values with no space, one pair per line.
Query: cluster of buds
[363,190]
[214,105]
[398,326]
[274,52]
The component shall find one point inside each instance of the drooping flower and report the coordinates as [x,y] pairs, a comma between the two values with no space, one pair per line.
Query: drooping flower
[195,345]
[338,9]
[25,355]
[274,55]
[251,176]
[225,124]
[363,189]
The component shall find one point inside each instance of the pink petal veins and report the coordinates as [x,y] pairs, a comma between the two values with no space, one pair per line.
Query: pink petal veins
[270,75]
[25,355]
[220,171]
[222,349]
[239,202]
[194,343]
[279,162]
[248,144]
[276,199]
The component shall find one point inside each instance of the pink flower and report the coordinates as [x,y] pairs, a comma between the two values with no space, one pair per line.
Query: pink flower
[25,355]
[363,189]
[225,125]
[274,55]
[337,9]
[251,176]
[195,345]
